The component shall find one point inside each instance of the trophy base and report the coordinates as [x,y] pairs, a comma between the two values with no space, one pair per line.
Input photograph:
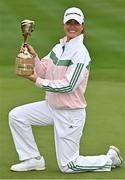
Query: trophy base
[24,67]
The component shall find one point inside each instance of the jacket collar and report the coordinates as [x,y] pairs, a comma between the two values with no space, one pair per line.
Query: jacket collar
[78,39]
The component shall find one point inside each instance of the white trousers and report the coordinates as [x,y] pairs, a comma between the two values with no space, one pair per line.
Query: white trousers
[68,128]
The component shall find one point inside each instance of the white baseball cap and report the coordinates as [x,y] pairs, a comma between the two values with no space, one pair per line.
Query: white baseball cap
[73,13]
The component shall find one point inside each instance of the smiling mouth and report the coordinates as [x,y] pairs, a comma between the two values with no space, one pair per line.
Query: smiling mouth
[72,31]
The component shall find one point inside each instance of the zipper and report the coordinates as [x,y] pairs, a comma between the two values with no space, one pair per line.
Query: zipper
[63,48]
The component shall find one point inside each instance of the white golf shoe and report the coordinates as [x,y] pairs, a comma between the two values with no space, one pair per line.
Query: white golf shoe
[114,155]
[30,164]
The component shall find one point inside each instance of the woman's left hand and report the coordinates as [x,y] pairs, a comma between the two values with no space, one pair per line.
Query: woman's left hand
[32,77]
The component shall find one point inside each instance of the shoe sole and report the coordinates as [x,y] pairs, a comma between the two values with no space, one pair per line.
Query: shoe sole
[118,152]
[33,169]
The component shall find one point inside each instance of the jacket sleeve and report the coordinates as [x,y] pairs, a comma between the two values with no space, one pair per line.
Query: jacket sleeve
[75,74]
[41,66]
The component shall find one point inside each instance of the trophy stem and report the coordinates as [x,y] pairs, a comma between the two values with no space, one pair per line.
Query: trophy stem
[25,38]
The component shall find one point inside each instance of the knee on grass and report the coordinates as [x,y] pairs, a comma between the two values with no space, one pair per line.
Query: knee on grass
[14,115]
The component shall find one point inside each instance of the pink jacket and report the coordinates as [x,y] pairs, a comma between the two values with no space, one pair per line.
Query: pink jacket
[63,73]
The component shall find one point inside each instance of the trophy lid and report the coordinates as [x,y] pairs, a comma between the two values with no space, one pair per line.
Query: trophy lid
[26,21]
[27,26]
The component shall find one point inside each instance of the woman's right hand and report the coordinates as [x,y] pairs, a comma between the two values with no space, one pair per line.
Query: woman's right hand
[29,48]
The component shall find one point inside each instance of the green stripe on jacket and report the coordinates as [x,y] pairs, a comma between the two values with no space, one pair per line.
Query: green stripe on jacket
[59,62]
[72,82]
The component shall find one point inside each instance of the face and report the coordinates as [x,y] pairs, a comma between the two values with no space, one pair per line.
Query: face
[72,29]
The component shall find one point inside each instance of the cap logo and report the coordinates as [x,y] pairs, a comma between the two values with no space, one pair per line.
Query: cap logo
[73,13]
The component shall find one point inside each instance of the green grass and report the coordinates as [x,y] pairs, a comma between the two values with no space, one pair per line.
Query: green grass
[105,95]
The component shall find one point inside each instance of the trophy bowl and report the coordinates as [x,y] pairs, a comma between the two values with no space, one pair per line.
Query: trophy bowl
[27,27]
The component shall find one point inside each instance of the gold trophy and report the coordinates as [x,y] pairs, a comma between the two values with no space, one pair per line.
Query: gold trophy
[24,61]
